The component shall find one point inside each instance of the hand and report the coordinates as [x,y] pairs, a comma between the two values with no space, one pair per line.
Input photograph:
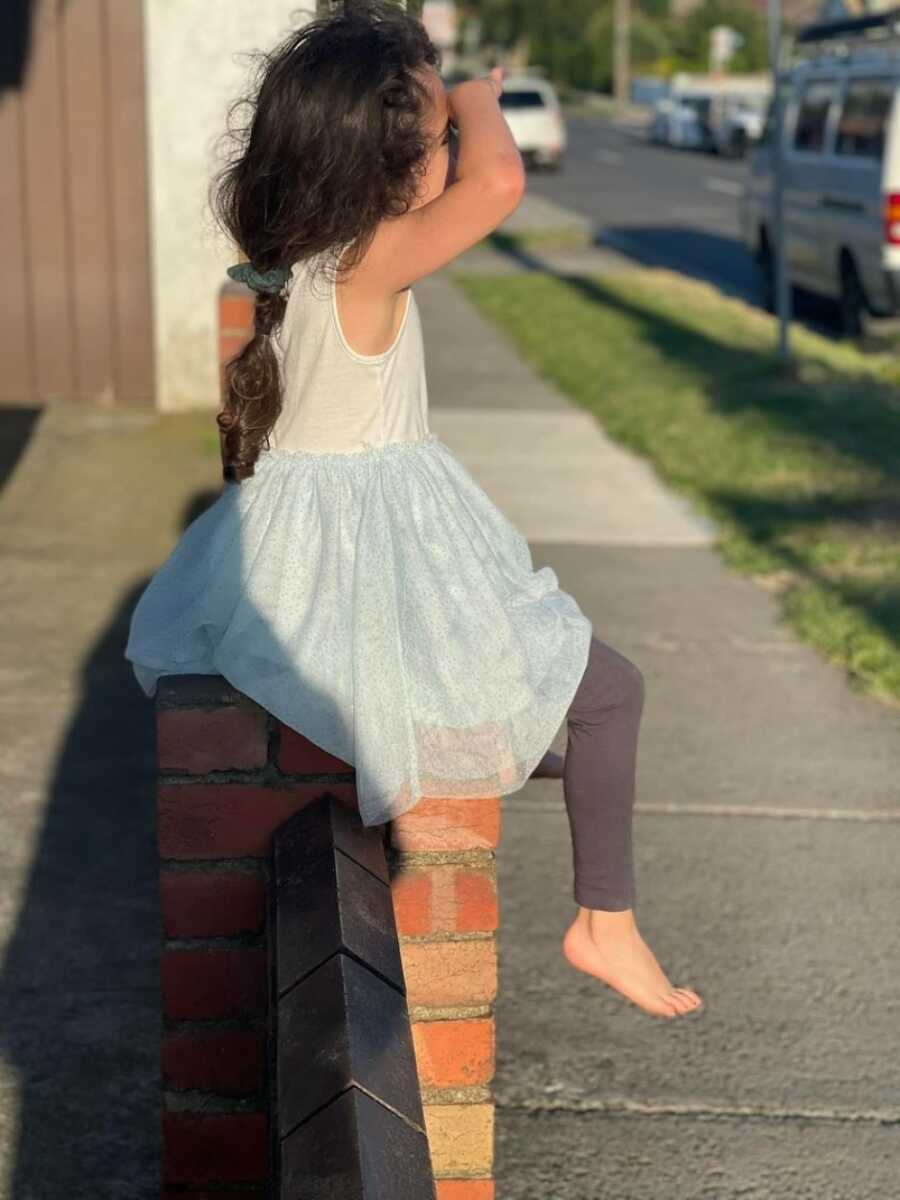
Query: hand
[494,81]
[496,77]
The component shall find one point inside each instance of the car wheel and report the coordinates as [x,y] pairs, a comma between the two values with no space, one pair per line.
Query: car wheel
[853,306]
[737,144]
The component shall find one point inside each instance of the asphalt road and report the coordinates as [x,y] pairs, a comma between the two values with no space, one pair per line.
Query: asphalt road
[676,208]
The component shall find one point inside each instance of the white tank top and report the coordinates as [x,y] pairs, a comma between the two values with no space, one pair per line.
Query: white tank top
[335,400]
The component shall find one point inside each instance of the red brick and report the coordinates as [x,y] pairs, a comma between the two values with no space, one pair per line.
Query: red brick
[230,820]
[476,901]
[214,1147]
[236,313]
[226,1061]
[440,974]
[211,903]
[231,344]
[454,1053]
[448,824]
[411,893]
[461,1189]
[214,983]
[198,740]
[444,898]
[299,756]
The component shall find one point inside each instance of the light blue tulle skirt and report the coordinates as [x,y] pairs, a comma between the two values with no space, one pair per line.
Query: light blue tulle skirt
[382,605]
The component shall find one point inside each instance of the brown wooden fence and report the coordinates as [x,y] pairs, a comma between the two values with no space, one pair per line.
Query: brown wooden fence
[75,296]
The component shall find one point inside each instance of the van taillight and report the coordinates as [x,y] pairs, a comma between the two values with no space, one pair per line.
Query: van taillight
[892,218]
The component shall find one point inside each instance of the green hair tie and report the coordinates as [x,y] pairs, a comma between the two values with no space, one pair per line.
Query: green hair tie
[260,281]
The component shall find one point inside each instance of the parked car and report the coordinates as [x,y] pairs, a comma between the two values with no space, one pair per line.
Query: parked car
[532,110]
[841,172]
[736,121]
[682,119]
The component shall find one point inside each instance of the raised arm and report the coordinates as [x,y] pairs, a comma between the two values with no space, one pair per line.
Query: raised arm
[487,185]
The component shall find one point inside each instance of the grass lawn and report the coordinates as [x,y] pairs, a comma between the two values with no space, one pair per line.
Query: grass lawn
[801,473]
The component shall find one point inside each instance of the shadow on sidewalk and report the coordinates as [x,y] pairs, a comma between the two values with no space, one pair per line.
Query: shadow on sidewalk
[80,1003]
[79,985]
[18,423]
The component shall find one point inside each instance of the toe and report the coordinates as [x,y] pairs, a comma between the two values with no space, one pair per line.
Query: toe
[690,997]
[682,1002]
[668,1006]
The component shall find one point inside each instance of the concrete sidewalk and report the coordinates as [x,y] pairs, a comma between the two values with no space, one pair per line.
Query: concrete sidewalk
[767,846]
[767,837]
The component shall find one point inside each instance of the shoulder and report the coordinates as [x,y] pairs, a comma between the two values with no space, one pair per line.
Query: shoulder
[370,315]
[371,276]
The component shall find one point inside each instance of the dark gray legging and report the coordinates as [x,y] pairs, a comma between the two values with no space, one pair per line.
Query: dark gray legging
[599,777]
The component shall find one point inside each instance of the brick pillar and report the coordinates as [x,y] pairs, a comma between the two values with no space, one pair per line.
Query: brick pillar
[444,882]
[236,306]
[229,775]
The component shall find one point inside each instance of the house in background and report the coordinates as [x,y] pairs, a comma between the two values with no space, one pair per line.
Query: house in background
[112,115]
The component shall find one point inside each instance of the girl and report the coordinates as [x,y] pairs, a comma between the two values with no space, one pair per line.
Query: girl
[352,577]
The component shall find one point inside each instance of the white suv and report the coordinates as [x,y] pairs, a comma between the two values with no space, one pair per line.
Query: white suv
[532,110]
[841,172]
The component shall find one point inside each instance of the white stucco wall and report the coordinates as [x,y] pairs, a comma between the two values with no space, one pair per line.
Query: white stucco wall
[194,68]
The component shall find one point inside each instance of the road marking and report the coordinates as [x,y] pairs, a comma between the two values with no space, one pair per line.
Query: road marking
[728,187]
[509,1101]
[729,810]
[612,158]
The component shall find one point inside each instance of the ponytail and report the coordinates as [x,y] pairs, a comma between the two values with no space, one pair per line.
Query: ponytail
[252,392]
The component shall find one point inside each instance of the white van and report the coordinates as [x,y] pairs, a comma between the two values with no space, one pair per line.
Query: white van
[841,171]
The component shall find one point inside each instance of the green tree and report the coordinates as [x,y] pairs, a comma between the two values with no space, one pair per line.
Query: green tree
[690,36]
[572,39]
[649,44]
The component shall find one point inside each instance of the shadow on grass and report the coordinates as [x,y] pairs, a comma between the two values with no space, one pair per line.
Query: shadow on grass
[769,523]
[851,415]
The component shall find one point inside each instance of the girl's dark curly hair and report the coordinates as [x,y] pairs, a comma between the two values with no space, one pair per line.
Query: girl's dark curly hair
[335,142]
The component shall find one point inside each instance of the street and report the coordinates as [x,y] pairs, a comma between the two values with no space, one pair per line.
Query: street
[658,205]
[663,207]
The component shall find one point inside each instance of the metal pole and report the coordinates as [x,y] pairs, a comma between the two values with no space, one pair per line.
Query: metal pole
[782,288]
[622,53]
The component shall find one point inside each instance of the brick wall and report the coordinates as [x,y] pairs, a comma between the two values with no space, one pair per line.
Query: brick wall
[229,775]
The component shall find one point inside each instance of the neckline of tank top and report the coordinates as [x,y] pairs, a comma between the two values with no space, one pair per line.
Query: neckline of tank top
[367,359]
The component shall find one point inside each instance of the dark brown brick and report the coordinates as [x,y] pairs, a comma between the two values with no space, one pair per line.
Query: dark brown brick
[214,983]
[214,1147]
[211,903]
[232,820]
[198,740]
[229,1062]
[299,756]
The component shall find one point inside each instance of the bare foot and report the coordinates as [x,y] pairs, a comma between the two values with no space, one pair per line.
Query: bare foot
[550,767]
[609,946]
